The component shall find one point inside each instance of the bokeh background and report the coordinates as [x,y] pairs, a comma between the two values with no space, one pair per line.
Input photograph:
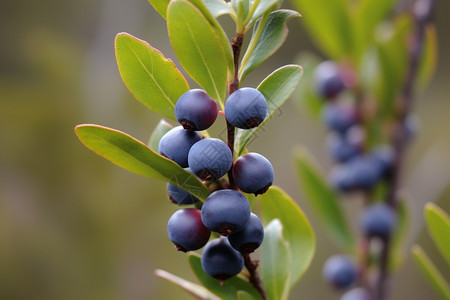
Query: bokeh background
[74,226]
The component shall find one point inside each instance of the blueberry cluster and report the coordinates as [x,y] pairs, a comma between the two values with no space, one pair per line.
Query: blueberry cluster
[225,211]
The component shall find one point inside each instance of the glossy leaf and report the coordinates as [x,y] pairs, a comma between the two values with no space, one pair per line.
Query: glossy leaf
[218,7]
[199,48]
[328,23]
[431,272]
[268,42]
[276,88]
[134,156]
[323,199]
[276,204]
[241,9]
[227,291]
[153,79]
[160,6]
[194,289]
[276,262]
[438,224]
[260,8]
[161,129]
[428,62]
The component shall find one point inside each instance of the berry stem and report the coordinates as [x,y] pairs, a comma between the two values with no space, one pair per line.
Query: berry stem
[254,277]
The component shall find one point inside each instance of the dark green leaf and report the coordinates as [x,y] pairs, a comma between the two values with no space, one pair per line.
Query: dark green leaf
[134,156]
[195,290]
[276,204]
[218,7]
[276,261]
[199,47]
[161,129]
[153,79]
[270,39]
[276,88]
[245,296]
[323,199]
[438,224]
[227,291]
[431,272]
[160,6]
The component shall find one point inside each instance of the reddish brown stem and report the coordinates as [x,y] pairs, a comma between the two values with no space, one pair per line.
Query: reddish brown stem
[254,278]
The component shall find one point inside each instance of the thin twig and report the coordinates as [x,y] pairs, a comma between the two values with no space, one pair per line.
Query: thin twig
[254,278]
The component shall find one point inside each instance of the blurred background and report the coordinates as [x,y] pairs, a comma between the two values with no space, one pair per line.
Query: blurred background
[74,226]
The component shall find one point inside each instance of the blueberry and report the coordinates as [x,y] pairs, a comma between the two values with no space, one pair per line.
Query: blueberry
[246,108]
[384,156]
[253,173]
[210,159]
[176,143]
[340,271]
[378,220]
[328,80]
[339,116]
[365,172]
[226,211]
[250,238]
[341,178]
[356,294]
[196,110]
[186,230]
[220,260]
[343,147]
[180,196]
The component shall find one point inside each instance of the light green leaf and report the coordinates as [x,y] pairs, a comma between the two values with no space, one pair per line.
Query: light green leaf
[231,286]
[245,296]
[218,7]
[276,88]
[268,41]
[195,290]
[323,199]
[428,62]
[276,204]
[199,47]
[160,6]
[400,234]
[260,8]
[161,129]
[438,224]
[134,156]
[328,23]
[153,79]
[431,272]
[276,261]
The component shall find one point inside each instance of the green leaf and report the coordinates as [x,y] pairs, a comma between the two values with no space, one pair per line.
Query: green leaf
[323,199]
[153,79]
[195,290]
[438,224]
[160,6]
[328,23]
[431,272]
[227,291]
[134,156]
[276,262]
[428,62]
[268,42]
[245,296]
[276,88]
[218,8]
[276,204]
[260,8]
[400,234]
[161,129]
[199,47]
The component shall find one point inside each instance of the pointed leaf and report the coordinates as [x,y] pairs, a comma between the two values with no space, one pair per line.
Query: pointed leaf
[198,47]
[134,156]
[218,7]
[153,79]
[160,6]
[272,37]
[161,129]
[323,199]
[227,291]
[276,88]
[195,290]
[276,261]
[431,272]
[276,204]
[260,8]
[438,224]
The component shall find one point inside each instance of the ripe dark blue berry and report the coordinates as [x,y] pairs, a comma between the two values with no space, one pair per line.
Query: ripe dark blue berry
[220,260]
[226,211]
[186,230]
[340,271]
[356,294]
[210,159]
[250,238]
[246,108]
[339,116]
[176,143]
[253,173]
[328,80]
[345,146]
[378,220]
[196,110]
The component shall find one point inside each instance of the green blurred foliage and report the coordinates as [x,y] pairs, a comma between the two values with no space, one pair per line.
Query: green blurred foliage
[74,226]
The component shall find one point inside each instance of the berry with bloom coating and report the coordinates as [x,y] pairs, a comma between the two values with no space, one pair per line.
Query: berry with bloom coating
[340,271]
[328,80]
[246,108]
[339,116]
[196,110]
[253,173]
[176,143]
[378,220]
[250,238]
